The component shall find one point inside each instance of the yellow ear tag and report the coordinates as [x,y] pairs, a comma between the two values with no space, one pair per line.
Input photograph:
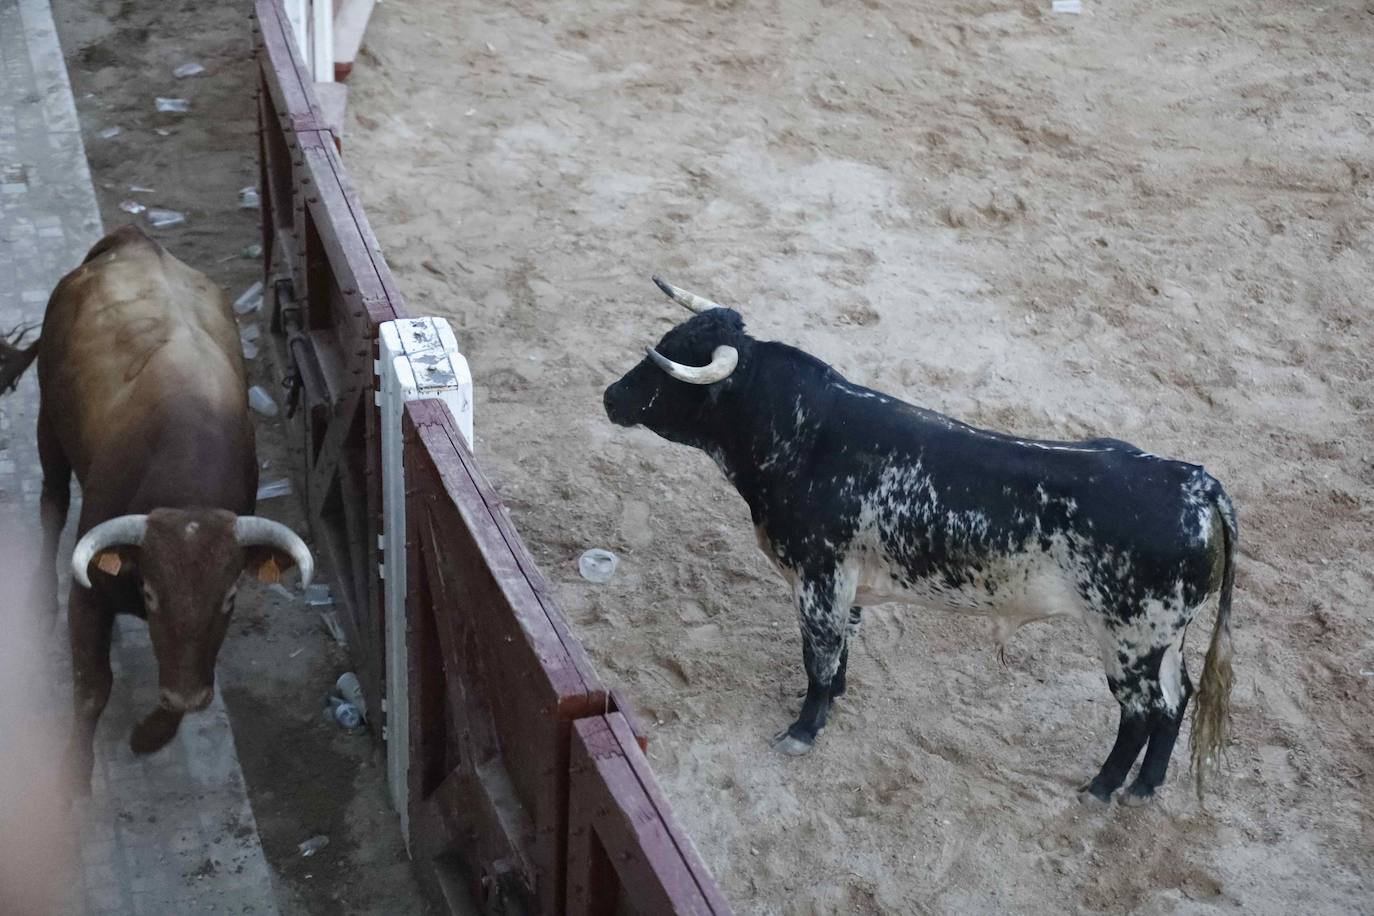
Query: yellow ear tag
[269,573]
[109,562]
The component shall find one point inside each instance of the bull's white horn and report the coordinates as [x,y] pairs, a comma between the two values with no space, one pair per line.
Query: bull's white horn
[124,530]
[688,300]
[723,362]
[256,531]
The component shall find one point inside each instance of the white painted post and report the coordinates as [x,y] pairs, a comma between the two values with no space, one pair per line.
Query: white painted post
[322,41]
[350,22]
[297,13]
[419,359]
[313,23]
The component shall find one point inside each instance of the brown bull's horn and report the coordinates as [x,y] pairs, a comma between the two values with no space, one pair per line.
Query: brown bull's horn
[685,299]
[723,362]
[125,530]
[255,531]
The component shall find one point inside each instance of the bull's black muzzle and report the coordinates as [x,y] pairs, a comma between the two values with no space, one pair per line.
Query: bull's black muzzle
[617,410]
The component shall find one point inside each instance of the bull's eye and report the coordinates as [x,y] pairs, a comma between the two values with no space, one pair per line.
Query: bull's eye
[149,597]
[228,604]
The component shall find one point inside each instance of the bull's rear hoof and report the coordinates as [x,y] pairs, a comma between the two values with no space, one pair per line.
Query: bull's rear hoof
[153,733]
[793,747]
[1137,796]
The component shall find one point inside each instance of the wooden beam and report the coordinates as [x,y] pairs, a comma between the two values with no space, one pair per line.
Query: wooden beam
[624,843]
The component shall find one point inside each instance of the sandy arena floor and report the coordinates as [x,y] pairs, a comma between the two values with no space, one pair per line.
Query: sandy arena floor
[1153,221]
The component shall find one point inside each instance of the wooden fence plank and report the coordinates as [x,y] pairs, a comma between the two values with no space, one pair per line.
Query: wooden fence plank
[287,77]
[515,677]
[625,847]
[497,679]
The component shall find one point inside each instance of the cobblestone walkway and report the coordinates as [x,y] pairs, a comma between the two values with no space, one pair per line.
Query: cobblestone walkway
[171,833]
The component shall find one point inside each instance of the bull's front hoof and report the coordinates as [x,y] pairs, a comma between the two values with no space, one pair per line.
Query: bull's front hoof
[153,733]
[1093,796]
[1137,796]
[791,745]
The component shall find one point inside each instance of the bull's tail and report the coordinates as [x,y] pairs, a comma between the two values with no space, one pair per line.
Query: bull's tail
[14,360]
[1212,709]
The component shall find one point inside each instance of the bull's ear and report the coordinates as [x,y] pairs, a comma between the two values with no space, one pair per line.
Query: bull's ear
[115,561]
[267,564]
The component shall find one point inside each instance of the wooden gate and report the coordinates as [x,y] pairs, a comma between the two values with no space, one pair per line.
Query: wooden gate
[527,790]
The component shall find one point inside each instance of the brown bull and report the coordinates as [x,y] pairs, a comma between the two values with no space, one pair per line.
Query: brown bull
[143,396]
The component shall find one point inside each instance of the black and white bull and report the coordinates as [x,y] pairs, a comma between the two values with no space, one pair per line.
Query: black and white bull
[860,499]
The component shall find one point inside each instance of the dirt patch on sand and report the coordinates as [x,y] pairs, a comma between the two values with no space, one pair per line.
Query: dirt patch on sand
[1152,222]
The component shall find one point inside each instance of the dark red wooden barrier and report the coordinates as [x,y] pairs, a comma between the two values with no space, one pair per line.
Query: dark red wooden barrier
[496,679]
[502,696]
[626,853]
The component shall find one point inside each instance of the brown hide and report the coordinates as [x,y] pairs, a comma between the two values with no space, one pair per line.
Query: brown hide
[130,338]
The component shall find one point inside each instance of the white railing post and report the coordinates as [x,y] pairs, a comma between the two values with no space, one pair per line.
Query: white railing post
[322,41]
[419,359]
[313,23]
[298,14]
[350,22]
